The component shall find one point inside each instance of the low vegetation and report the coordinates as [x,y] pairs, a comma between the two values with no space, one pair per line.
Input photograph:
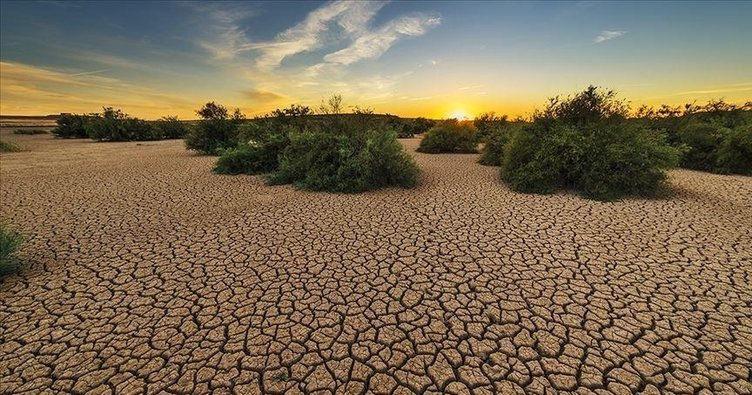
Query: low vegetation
[30,132]
[10,241]
[494,143]
[337,152]
[584,143]
[114,125]
[449,136]
[71,126]
[216,131]
[715,137]
[7,146]
[171,127]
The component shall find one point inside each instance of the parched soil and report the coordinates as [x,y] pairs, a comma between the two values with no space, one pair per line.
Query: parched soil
[148,273]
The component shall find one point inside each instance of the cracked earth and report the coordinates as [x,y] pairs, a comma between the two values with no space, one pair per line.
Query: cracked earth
[147,273]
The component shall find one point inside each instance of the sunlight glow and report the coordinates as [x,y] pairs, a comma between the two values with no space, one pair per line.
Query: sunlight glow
[459,114]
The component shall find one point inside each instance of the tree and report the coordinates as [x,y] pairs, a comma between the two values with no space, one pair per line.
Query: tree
[332,106]
[212,110]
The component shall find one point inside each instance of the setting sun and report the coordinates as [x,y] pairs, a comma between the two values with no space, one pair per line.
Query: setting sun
[459,114]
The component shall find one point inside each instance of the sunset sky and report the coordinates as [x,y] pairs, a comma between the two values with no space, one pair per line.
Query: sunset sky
[430,59]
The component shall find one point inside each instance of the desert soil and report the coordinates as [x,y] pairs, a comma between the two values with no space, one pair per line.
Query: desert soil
[147,273]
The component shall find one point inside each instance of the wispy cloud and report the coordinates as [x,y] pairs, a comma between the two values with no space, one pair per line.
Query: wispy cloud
[227,37]
[89,72]
[742,87]
[607,35]
[354,19]
[373,44]
[45,89]
[263,97]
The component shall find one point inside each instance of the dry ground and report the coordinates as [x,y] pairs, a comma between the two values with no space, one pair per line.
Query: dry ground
[148,273]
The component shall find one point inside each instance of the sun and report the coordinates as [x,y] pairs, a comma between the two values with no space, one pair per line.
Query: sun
[459,114]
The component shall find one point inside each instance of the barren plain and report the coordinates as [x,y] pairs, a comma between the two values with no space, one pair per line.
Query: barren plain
[145,273]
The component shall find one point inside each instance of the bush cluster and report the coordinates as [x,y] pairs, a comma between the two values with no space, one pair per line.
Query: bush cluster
[494,143]
[353,162]
[715,137]
[216,131]
[9,243]
[449,137]
[584,143]
[408,128]
[336,154]
[71,126]
[488,125]
[115,125]
[171,127]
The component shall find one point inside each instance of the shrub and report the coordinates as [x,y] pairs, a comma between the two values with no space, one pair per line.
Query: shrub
[449,137]
[216,131]
[258,153]
[171,128]
[345,162]
[6,146]
[493,148]
[584,143]
[71,126]
[487,125]
[702,141]
[421,125]
[9,243]
[400,126]
[30,132]
[114,125]
[735,152]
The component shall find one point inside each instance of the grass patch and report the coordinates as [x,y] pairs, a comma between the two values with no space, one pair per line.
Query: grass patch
[10,241]
[7,146]
[30,132]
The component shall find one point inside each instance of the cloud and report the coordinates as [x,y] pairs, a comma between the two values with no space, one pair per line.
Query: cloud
[227,37]
[608,35]
[742,87]
[372,44]
[263,97]
[354,19]
[36,90]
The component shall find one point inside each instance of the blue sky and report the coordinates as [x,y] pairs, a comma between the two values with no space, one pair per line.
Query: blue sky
[407,58]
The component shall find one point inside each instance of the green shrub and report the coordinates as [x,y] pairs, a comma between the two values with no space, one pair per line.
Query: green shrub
[493,148]
[400,126]
[9,243]
[601,161]
[420,125]
[7,146]
[449,137]
[735,153]
[216,131]
[702,141]
[71,126]
[171,128]
[345,162]
[585,144]
[257,153]
[487,125]
[114,125]
[30,132]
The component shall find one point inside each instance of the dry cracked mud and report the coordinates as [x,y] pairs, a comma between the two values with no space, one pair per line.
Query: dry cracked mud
[147,273]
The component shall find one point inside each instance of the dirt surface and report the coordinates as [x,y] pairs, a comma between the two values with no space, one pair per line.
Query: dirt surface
[148,273]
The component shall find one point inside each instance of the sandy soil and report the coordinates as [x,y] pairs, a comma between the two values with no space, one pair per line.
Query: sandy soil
[148,273]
